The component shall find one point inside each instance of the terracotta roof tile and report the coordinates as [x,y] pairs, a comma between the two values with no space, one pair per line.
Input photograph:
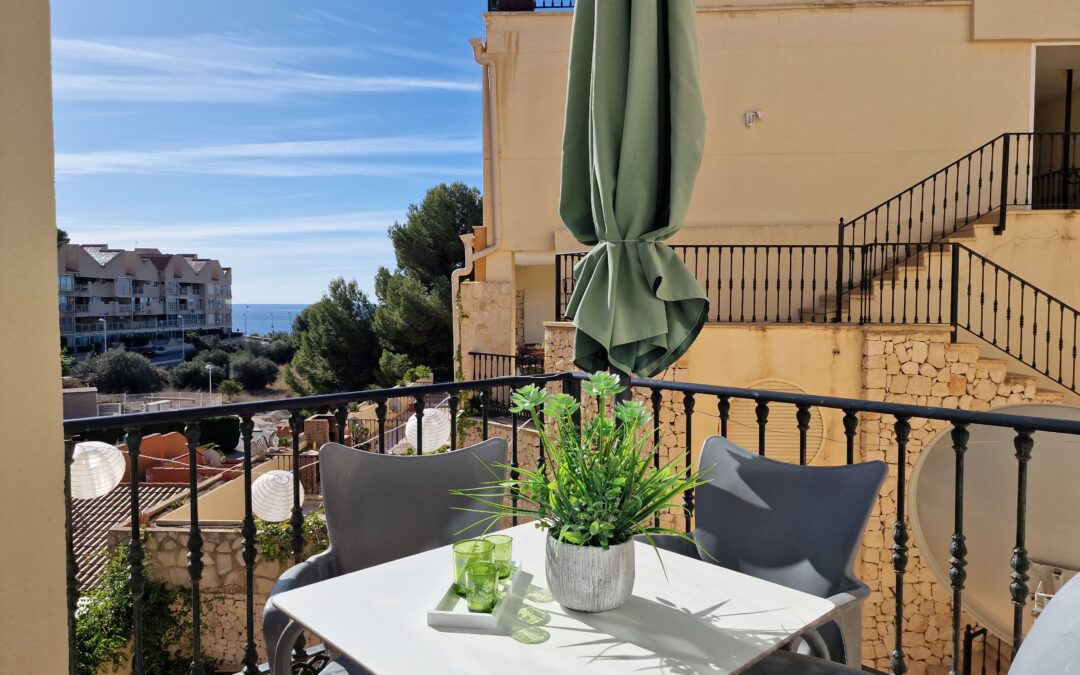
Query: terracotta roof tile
[93,518]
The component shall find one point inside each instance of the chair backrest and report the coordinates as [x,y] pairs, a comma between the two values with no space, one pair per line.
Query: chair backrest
[1053,643]
[797,526]
[384,507]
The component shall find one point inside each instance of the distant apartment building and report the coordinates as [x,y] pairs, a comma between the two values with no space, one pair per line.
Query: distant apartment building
[139,297]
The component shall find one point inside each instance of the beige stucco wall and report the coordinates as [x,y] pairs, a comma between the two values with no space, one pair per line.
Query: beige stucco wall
[538,283]
[858,103]
[1026,19]
[32,586]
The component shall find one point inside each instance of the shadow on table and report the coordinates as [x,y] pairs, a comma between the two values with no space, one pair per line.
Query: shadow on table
[677,639]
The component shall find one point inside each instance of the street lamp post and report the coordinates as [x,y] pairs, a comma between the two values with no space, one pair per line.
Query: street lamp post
[210,374]
[183,340]
[246,308]
[105,333]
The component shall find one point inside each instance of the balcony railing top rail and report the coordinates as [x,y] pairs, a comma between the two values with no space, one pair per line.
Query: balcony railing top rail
[687,396]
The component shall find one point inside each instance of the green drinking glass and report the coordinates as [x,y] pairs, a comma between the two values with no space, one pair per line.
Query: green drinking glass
[481,585]
[468,551]
[503,551]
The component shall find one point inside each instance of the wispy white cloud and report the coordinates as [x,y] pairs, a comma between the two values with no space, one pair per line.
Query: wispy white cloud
[284,158]
[190,234]
[216,68]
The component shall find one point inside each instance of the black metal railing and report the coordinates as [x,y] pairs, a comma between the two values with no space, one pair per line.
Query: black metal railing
[690,397]
[528,5]
[744,283]
[1037,170]
[486,365]
[947,283]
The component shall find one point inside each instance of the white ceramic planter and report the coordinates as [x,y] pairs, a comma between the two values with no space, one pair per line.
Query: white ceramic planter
[588,578]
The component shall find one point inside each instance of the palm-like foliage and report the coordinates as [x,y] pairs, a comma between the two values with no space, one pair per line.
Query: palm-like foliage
[598,486]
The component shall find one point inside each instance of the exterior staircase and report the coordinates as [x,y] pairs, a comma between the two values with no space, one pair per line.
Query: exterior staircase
[911,261]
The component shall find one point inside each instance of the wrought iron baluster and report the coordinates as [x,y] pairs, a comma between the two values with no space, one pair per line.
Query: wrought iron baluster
[802,421]
[485,403]
[997,283]
[656,398]
[136,556]
[688,495]
[1008,311]
[452,402]
[723,406]
[742,286]
[731,284]
[1046,361]
[514,463]
[1023,443]
[967,193]
[982,294]
[1061,342]
[958,547]
[418,410]
[380,417]
[791,280]
[1073,382]
[851,425]
[247,530]
[195,549]
[296,519]
[753,291]
[72,566]
[1020,337]
[761,411]
[900,539]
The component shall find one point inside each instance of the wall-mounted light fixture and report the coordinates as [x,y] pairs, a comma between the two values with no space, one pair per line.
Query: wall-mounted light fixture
[752,117]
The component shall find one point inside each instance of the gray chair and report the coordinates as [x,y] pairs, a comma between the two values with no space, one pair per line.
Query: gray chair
[1051,646]
[797,526]
[380,508]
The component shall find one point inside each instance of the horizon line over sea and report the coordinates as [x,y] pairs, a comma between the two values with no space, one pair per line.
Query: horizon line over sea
[263,319]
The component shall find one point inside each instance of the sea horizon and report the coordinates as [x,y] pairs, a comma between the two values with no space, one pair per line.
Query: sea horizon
[263,318]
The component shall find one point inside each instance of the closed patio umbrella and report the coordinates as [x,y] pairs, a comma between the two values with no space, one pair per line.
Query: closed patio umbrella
[632,144]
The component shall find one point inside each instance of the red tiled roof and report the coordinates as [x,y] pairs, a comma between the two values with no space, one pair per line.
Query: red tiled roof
[93,518]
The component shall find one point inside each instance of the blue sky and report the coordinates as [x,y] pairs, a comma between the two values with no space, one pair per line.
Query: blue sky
[280,137]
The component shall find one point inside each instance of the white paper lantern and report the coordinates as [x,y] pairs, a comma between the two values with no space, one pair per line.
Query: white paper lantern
[95,469]
[272,496]
[436,429]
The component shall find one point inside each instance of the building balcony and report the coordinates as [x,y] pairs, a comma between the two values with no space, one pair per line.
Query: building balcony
[902,582]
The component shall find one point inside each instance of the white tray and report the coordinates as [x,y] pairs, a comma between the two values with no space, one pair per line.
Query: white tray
[452,609]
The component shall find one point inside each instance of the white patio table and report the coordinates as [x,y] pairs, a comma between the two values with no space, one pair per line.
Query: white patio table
[700,618]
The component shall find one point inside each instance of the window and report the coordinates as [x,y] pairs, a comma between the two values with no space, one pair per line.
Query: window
[67,283]
[123,286]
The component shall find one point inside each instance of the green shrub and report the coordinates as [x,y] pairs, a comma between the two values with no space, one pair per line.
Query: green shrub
[229,388]
[193,374]
[280,351]
[121,372]
[275,539]
[104,625]
[253,372]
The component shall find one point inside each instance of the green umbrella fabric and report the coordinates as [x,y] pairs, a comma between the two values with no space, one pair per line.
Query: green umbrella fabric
[632,145]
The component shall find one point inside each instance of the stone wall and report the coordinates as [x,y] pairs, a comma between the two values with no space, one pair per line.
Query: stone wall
[223,585]
[921,367]
[487,320]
